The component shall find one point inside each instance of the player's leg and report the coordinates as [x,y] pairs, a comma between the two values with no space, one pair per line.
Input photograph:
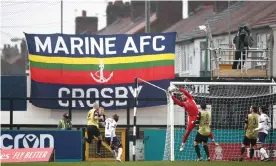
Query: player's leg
[253,143]
[118,145]
[113,151]
[204,140]
[260,143]
[99,143]
[190,127]
[211,136]
[246,142]
[197,149]
[84,139]
[90,133]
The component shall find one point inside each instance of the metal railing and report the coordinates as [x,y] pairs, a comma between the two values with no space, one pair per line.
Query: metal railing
[255,59]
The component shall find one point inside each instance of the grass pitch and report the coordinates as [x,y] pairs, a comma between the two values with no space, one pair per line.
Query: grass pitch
[145,163]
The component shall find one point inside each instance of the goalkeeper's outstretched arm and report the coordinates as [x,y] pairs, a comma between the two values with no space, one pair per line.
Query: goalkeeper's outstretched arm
[181,104]
[186,93]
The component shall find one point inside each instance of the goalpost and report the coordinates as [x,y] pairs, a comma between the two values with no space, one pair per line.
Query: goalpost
[229,103]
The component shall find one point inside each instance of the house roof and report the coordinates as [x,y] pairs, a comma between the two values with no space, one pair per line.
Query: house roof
[254,14]
[271,19]
[186,27]
[250,13]
[127,25]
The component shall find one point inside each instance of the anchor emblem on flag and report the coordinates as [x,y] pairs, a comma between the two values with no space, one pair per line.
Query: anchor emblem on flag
[99,75]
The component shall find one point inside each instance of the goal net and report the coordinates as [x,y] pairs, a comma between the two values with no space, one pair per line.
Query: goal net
[229,103]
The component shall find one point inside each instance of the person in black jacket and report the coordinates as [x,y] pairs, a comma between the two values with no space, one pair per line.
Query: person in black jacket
[242,41]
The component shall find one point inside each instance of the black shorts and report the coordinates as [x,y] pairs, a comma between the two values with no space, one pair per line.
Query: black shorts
[248,141]
[115,143]
[201,138]
[92,131]
[261,138]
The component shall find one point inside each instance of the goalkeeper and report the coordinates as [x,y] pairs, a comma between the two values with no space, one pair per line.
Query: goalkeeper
[190,107]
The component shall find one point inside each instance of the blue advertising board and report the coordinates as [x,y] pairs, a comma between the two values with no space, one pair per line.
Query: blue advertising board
[14,86]
[67,144]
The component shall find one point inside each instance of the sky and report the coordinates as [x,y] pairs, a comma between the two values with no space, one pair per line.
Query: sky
[37,16]
[44,16]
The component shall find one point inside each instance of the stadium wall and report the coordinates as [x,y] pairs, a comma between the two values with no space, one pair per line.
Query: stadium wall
[34,115]
[230,141]
[13,86]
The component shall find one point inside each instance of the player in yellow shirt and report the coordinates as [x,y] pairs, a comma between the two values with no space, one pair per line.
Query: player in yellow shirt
[250,138]
[93,117]
[204,122]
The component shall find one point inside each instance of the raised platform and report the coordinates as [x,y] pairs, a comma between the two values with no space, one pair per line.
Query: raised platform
[238,73]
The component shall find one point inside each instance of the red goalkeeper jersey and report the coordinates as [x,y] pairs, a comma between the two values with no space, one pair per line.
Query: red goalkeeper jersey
[189,105]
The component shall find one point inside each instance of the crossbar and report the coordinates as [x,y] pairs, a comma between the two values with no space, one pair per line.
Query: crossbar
[225,83]
[152,84]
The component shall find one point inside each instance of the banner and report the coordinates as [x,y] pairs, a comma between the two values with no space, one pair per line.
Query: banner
[26,155]
[230,151]
[102,66]
[230,142]
[67,144]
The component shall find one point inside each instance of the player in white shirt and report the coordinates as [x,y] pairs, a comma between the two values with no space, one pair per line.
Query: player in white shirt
[110,136]
[263,128]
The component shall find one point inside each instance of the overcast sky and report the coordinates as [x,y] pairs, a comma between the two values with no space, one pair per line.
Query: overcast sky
[37,16]
[43,16]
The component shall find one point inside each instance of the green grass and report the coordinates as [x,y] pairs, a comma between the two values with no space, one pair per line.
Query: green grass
[145,163]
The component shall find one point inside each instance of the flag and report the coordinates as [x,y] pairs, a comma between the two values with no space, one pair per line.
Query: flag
[98,66]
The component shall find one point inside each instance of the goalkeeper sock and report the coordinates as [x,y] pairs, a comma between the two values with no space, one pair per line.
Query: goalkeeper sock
[197,151]
[120,151]
[251,153]
[263,152]
[186,135]
[242,150]
[99,146]
[212,137]
[206,150]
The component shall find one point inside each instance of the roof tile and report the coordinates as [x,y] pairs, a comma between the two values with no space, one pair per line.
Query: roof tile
[254,14]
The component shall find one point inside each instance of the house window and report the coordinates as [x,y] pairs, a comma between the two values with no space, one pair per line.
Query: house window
[183,56]
[203,47]
[261,44]
[187,58]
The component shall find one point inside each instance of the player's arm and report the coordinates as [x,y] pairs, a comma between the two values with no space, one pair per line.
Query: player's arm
[177,101]
[246,122]
[96,115]
[196,122]
[268,123]
[89,115]
[261,124]
[112,131]
[186,93]
[210,119]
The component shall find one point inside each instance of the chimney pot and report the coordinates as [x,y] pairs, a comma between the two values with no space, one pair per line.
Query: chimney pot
[83,13]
